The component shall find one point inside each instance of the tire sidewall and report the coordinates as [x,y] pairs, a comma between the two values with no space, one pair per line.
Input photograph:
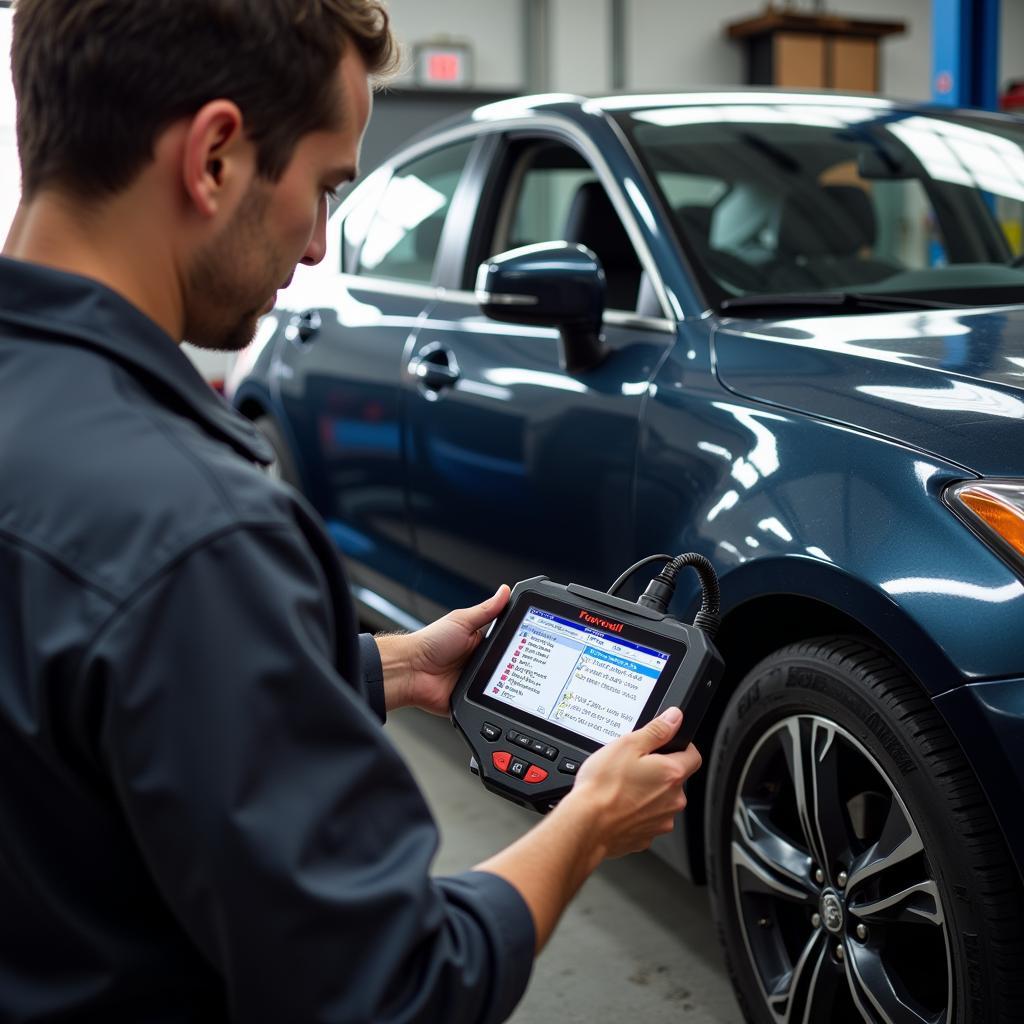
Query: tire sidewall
[788,684]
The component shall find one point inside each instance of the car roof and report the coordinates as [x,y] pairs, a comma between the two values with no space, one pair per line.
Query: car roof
[576,107]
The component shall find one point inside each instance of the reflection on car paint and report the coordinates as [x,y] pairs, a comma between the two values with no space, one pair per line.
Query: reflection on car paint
[805,455]
[958,396]
[939,586]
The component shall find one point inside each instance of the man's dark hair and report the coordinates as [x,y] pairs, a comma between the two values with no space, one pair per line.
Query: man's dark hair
[98,80]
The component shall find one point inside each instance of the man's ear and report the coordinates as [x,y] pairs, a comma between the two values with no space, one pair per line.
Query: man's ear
[218,159]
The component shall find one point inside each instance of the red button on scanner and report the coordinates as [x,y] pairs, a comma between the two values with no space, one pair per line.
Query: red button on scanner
[535,774]
[500,759]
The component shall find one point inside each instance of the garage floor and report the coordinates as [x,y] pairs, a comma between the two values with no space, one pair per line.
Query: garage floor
[636,945]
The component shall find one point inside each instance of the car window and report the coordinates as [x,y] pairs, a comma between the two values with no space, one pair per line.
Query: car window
[555,195]
[408,216]
[796,199]
[356,214]
[692,189]
[544,200]
[905,231]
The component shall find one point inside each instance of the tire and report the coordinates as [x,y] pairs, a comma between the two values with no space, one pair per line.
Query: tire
[283,468]
[928,913]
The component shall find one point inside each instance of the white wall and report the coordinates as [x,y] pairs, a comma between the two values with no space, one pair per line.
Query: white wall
[670,43]
[494,28]
[581,46]
[1011,42]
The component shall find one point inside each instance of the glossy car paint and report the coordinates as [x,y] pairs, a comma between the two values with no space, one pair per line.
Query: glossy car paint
[806,457]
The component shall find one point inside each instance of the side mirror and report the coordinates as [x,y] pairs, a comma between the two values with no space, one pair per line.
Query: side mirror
[555,284]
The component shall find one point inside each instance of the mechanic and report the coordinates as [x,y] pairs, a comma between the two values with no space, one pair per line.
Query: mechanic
[201,818]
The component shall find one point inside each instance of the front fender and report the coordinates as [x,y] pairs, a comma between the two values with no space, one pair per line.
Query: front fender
[785,504]
[836,590]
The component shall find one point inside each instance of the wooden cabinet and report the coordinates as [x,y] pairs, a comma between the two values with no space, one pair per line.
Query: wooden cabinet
[813,51]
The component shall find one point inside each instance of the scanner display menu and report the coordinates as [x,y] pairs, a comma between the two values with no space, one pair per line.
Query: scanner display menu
[576,675]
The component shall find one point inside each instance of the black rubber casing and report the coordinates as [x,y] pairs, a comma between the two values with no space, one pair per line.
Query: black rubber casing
[694,670]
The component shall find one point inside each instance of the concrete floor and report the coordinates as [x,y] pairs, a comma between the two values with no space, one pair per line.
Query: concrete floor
[637,944]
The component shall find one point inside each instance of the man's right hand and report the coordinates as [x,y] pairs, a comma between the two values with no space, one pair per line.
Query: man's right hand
[624,796]
[632,792]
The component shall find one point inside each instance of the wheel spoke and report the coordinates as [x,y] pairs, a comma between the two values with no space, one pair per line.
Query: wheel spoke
[874,994]
[811,754]
[828,817]
[772,864]
[792,741]
[898,842]
[810,994]
[806,995]
[917,904]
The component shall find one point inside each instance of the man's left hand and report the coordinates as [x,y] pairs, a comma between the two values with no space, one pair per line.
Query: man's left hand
[421,668]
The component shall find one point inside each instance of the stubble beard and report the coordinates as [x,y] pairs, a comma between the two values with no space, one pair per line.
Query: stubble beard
[230,280]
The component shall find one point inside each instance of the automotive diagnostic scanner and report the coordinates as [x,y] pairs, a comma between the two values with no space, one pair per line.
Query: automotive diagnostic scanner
[566,669]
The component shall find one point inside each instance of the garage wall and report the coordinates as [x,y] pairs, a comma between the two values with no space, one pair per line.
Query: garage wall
[670,44]
[494,28]
[690,49]
[581,46]
[1011,42]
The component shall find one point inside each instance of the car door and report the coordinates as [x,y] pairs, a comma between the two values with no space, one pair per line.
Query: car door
[517,468]
[341,378]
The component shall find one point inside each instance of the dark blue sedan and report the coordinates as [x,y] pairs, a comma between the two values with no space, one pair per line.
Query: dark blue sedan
[782,330]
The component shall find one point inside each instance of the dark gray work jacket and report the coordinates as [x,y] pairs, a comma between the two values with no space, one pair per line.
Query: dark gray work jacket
[201,818]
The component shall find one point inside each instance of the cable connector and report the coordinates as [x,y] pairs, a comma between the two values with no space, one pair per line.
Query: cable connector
[661,589]
[657,595]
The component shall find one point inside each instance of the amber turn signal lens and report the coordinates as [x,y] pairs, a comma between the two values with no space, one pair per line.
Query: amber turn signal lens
[1000,514]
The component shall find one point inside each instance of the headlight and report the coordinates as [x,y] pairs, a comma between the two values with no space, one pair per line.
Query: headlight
[994,509]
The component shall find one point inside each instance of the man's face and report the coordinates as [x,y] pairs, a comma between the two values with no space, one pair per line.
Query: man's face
[233,280]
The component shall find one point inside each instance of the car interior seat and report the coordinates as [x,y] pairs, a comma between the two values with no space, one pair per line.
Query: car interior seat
[695,222]
[592,221]
[731,271]
[822,235]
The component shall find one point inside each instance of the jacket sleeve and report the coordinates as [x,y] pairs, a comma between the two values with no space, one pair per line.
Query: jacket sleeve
[373,675]
[283,830]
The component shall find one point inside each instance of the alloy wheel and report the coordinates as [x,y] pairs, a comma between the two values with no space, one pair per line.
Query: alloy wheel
[840,910]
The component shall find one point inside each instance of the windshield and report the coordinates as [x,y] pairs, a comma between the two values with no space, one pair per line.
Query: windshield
[849,195]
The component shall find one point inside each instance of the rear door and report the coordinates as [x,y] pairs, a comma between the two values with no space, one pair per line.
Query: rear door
[517,468]
[340,371]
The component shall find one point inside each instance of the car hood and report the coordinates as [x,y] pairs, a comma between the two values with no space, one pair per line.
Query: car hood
[950,382]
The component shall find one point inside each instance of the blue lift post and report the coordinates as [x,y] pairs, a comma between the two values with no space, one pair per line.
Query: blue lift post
[965,37]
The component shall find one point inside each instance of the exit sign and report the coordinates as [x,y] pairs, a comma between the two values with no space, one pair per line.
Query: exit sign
[445,67]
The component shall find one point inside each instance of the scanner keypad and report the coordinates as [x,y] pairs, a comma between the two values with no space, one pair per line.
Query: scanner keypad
[535,746]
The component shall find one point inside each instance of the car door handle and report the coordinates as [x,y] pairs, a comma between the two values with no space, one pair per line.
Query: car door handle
[307,325]
[434,367]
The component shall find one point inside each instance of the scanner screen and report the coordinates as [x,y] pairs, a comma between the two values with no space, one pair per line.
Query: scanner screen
[576,673]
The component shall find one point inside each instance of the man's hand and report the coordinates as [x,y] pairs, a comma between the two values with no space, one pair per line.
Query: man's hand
[421,668]
[632,793]
[624,796]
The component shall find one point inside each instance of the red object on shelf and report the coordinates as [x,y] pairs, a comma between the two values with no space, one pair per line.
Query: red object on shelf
[1012,99]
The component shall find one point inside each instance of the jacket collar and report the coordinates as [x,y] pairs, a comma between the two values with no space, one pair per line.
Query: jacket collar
[77,310]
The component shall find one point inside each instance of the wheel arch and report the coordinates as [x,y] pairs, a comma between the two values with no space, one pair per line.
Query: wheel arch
[806,599]
[253,402]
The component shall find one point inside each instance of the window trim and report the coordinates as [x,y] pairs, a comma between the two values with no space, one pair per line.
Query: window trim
[390,170]
[565,130]
[521,149]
